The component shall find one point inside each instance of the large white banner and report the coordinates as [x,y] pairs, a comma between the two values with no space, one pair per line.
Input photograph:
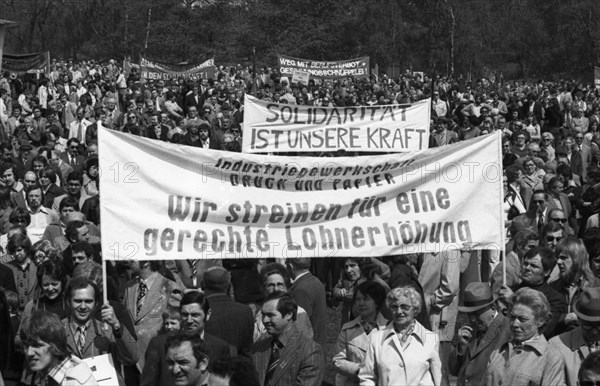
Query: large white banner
[274,127]
[166,201]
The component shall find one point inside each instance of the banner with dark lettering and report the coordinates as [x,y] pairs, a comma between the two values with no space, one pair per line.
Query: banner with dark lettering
[26,63]
[153,69]
[273,127]
[358,68]
[168,201]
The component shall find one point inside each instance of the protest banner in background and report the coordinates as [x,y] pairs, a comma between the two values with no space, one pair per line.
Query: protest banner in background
[358,68]
[37,63]
[152,69]
[128,65]
[167,201]
[597,76]
[273,127]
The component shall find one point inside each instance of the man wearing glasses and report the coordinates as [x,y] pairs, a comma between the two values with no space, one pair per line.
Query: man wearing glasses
[72,157]
[578,344]
[558,216]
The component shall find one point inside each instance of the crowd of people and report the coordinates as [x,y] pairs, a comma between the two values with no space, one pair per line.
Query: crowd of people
[423,319]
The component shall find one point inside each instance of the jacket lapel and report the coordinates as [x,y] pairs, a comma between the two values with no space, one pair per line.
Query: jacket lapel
[287,358]
[132,300]
[90,335]
[490,334]
[155,293]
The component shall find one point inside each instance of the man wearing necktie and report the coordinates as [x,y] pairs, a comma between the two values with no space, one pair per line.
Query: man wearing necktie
[285,355]
[77,128]
[146,298]
[86,334]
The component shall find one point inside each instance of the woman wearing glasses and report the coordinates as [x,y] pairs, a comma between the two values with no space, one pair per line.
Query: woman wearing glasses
[405,352]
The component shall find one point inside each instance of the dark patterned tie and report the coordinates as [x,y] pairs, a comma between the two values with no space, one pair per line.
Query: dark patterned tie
[276,347]
[141,295]
[192,264]
[80,338]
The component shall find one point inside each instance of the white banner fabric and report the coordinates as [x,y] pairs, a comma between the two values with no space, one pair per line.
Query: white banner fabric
[167,201]
[274,127]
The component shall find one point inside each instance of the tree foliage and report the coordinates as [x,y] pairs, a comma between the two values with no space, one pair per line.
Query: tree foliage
[520,37]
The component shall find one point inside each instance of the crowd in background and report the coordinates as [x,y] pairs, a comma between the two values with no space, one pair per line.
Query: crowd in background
[413,319]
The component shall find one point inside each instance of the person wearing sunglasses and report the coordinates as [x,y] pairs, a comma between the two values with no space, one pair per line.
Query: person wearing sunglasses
[558,216]
[583,341]
[537,213]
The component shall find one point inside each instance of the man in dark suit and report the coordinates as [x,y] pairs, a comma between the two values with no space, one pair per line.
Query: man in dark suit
[72,157]
[193,99]
[156,130]
[487,330]
[193,309]
[231,321]
[309,293]
[285,356]
[7,279]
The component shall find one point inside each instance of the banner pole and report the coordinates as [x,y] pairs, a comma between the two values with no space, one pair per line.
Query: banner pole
[104,290]
[501,206]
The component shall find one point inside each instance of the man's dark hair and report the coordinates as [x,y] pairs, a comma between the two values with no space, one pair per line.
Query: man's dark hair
[195,297]
[199,348]
[45,326]
[71,140]
[547,255]
[83,246]
[239,370]
[69,202]
[551,227]
[285,304]
[153,264]
[35,187]
[300,262]
[71,230]
[512,173]
[78,283]
[49,172]
[5,166]
[75,176]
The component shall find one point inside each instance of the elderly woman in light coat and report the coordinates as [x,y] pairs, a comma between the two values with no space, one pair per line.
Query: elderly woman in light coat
[405,352]
[527,359]
[353,340]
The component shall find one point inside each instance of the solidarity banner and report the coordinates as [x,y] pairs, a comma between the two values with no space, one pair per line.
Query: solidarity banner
[273,127]
[26,64]
[168,201]
[152,69]
[358,68]
[597,76]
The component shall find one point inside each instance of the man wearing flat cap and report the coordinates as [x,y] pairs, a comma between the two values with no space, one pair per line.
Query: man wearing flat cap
[486,330]
[577,344]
